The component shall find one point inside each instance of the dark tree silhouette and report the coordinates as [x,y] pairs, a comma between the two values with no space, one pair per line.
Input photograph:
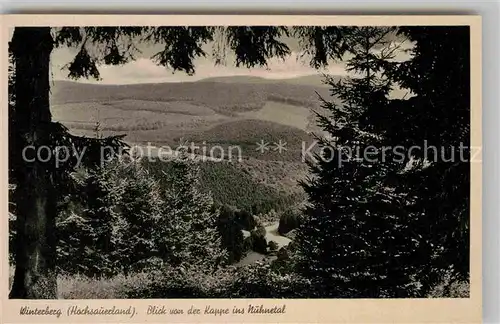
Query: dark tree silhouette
[439,114]
[352,242]
[31,48]
[393,226]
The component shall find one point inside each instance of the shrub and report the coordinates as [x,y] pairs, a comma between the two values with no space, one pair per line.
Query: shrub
[247,221]
[12,236]
[232,239]
[261,281]
[259,242]
[289,220]
[191,282]
[12,224]
[82,287]
[283,254]
[450,287]
[260,231]
[248,244]
[250,281]
[273,246]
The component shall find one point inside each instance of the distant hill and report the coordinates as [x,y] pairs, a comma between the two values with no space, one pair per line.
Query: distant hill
[223,97]
[160,112]
[166,112]
[314,80]
[217,90]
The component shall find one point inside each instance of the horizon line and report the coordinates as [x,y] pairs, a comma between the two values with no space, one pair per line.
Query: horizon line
[96,82]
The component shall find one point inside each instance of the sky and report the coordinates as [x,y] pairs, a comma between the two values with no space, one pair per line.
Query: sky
[144,70]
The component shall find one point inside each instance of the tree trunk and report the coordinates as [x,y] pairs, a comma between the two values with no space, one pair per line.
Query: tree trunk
[35,246]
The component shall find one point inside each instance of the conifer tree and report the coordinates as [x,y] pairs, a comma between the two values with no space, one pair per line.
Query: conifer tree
[101,200]
[231,232]
[140,213]
[354,241]
[435,119]
[86,224]
[187,235]
[74,233]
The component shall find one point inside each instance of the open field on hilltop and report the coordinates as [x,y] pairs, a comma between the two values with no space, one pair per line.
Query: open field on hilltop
[281,113]
[301,117]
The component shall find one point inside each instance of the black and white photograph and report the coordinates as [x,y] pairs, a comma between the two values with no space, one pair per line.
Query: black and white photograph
[240,162]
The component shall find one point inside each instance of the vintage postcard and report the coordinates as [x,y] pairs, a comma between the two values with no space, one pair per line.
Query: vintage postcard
[255,169]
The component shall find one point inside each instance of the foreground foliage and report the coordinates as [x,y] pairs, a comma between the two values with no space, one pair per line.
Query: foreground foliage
[128,222]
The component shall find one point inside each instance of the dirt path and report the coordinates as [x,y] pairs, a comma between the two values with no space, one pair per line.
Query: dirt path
[273,235]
